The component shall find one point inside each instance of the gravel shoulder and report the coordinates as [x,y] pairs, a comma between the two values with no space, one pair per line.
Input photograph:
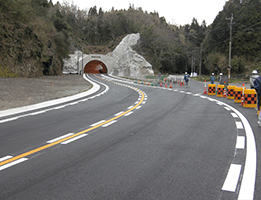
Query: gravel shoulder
[17,92]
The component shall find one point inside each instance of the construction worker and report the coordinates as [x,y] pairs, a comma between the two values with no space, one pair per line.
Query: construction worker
[186,79]
[220,78]
[257,86]
[253,77]
[212,78]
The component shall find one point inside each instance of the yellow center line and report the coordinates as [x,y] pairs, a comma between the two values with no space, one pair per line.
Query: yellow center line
[72,136]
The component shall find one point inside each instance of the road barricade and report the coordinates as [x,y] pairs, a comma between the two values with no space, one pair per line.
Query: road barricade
[238,94]
[211,89]
[231,92]
[250,98]
[220,90]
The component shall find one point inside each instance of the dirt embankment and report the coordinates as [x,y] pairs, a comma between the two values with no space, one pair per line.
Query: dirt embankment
[16,92]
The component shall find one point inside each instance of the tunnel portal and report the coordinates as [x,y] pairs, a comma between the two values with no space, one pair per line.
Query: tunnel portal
[95,67]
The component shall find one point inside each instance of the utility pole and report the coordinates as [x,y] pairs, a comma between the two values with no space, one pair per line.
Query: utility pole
[230,45]
[200,61]
[192,62]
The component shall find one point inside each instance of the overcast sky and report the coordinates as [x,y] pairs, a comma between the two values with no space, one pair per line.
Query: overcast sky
[179,12]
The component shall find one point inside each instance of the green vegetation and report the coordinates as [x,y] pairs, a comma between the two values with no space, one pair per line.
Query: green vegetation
[35,37]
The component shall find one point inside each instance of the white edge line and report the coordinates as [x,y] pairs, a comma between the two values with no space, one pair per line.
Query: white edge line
[59,138]
[13,163]
[7,120]
[13,111]
[231,181]
[239,125]
[234,115]
[240,142]
[247,188]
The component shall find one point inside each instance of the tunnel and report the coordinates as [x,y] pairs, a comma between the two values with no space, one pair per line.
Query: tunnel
[95,67]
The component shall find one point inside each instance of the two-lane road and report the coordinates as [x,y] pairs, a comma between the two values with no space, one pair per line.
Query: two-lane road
[126,141]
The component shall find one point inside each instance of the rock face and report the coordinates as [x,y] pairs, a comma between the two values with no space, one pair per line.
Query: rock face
[128,62]
[71,64]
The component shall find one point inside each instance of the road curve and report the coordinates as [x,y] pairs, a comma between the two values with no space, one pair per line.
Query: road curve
[126,141]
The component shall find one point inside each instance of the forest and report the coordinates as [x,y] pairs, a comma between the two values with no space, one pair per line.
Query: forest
[36,35]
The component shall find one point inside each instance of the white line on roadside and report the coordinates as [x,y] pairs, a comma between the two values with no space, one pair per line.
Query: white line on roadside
[240,142]
[227,108]
[231,181]
[8,120]
[234,115]
[239,125]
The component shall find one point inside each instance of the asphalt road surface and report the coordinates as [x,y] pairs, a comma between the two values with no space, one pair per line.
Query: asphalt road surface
[131,141]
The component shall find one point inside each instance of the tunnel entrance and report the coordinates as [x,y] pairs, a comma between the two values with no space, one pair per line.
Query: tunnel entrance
[95,67]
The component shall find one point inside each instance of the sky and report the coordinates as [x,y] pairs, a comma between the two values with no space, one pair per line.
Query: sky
[178,12]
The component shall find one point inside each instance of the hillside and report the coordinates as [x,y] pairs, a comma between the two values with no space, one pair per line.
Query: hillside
[36,35]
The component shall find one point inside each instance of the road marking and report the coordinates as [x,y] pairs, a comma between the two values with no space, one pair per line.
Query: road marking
[119,113]
[73,103]
[110,123]
[227,108]
[7,120]
[234,115]
[130,107]
[97,123]
[138,107]
[231,181]
[240,142]
[59,138]
[73,139]
[13,163]
[5,158]
[239,125]
[21,157]
[126,115]
[59,107]
[37,113]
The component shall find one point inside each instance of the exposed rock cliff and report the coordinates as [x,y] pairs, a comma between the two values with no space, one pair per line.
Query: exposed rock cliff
[126,62]
[129,63]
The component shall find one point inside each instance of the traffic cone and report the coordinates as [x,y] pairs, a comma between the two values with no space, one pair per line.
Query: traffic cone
[242,99]
[160,84]
[205,90]
[166,85]
[170,85]
[180,83]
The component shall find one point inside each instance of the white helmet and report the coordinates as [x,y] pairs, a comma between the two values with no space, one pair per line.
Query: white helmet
[254,72]
[221,74]
[212,74]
